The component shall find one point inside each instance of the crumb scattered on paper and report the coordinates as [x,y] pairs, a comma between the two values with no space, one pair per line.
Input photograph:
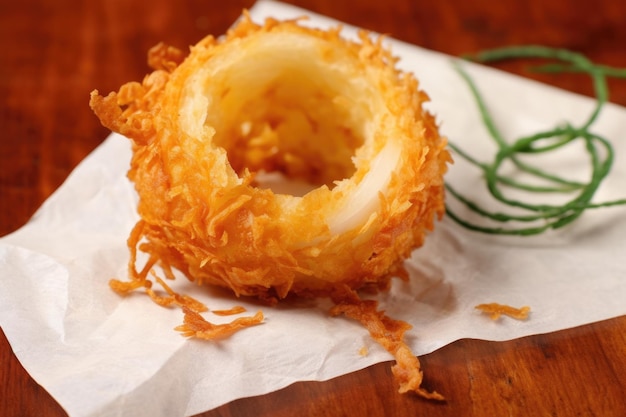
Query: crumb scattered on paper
[230,312]
[496,310]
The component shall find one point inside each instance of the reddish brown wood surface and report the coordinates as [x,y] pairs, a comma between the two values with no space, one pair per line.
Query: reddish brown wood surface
[54,52]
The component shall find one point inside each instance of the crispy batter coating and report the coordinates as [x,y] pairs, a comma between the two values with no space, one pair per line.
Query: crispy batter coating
[303,104]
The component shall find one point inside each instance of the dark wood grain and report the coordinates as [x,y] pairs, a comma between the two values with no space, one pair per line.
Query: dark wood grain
[54,52]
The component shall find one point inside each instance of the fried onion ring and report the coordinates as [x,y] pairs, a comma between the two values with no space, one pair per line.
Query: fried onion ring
[279,99]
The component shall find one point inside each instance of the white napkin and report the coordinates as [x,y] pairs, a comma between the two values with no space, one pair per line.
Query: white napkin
[102,355]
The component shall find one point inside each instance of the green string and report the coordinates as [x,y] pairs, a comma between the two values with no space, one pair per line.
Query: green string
[599,150]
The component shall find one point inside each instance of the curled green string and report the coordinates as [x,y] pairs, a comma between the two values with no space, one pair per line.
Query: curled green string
[539,217]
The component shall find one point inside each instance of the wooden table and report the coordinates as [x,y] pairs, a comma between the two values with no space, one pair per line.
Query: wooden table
[54,52]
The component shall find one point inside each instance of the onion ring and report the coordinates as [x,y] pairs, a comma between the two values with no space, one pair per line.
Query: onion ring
[211,130]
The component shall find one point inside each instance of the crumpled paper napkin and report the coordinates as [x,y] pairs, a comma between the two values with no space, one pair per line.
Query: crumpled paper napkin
[102,355]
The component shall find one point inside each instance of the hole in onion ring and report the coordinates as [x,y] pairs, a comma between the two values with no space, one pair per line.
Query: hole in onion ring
[293,121]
